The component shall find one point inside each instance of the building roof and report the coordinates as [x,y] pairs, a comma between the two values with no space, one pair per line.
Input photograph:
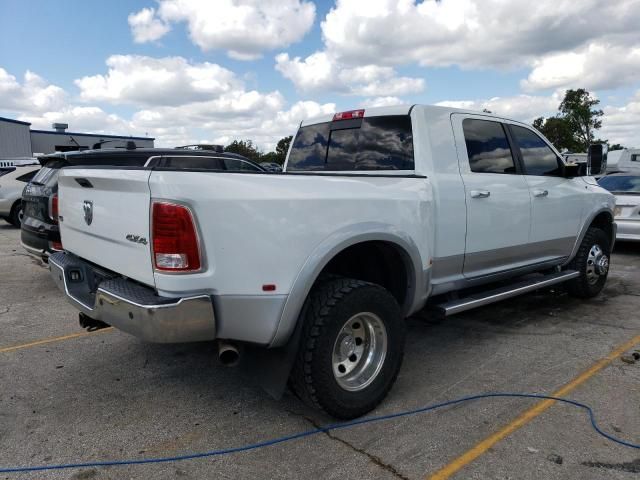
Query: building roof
[101,135]
[11,120]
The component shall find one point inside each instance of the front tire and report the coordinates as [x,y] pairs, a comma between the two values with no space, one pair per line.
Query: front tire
[351,347]
[592,261]
[14,216]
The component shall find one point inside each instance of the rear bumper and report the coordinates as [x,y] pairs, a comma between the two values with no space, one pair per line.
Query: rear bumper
[38,241]
[131,307]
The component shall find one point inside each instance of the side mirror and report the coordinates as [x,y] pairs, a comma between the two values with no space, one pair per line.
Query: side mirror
[597,159]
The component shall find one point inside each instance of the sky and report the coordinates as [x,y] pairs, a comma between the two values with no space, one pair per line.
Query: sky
[210,71]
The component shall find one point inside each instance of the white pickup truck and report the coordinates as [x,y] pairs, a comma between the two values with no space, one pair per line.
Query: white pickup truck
[377,214]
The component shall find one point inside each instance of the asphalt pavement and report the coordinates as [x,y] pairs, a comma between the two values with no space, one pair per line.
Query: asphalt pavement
[66,396]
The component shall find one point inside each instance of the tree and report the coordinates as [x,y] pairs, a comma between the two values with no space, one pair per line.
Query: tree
[615,146]
[559,132]
[245,148]
[577,109]
[283,145]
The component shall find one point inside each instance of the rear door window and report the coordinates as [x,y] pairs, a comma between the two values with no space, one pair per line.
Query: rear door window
[372,143]
[487,146]
[537,156]
[27,176]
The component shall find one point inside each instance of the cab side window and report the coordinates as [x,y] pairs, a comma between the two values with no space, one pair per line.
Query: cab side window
[487,147]
[537,156]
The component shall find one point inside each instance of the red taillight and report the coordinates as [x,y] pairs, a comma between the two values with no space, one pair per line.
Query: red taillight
[348,115]
[53,207]
[174,237]
[56,246]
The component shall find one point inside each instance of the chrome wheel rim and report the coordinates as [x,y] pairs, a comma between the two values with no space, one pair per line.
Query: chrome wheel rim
[359,351]
[597,264]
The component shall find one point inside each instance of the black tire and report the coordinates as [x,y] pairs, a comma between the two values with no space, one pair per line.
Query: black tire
[329,307]
[587,285]
[14,216]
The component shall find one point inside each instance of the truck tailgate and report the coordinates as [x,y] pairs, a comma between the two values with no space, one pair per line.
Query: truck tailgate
[105,219]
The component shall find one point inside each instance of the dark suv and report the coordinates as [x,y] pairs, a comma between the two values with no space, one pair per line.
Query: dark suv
[40,233]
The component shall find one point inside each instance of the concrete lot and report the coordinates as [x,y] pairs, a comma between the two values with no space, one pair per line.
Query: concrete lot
[109,396]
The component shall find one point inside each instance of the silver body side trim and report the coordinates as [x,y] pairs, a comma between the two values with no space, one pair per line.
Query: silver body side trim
[492,296]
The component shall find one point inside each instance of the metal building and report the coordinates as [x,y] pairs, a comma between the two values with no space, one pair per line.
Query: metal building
[59,140]
[15,138]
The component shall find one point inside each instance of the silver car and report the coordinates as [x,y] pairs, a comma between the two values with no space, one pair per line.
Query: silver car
[11,186]
[626,188]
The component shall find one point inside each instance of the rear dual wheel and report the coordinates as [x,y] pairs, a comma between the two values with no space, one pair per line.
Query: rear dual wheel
[351,348]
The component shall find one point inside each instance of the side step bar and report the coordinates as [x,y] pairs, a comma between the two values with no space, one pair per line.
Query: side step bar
[491,296]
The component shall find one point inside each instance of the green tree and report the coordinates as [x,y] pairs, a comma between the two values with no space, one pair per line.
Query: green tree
[559,132]
[245,148]
[578,110]
[615,146]
[283,147]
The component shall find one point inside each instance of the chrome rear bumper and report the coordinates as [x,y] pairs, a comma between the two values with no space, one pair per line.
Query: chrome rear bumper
[131,307]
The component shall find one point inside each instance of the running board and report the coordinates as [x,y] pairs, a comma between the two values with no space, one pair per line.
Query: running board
[491,296]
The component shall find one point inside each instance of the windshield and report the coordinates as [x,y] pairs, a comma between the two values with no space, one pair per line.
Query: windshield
[621,184]
[372,143]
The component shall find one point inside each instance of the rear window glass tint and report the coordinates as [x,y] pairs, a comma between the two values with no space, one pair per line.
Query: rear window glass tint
[210,163]
[27,176]
[378,143]
[625,183]
[487,147]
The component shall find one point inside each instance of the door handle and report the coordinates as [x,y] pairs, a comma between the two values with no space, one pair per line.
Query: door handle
[480,193]
[540,193]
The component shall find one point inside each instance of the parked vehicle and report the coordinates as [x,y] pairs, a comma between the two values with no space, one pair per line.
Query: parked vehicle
[5,170]
[40,231]
[271,167]
[626,188]
[377,214]
[11,185]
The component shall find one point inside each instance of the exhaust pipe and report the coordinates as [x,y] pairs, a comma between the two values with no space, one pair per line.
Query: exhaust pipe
[228,354]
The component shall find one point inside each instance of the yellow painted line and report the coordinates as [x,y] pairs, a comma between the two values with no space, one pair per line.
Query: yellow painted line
[470,455]
[52,340]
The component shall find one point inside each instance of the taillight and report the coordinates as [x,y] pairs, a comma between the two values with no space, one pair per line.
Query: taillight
[53,207]
[174,237]
[348,115]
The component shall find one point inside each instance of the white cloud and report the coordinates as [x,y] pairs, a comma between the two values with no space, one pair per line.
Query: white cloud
[470,33]
[620,124]
[381,102]
[245,29]
[146,27]
[144,80]
[320,72]
[518,107]
[34,94]
[83,119]
[596,66]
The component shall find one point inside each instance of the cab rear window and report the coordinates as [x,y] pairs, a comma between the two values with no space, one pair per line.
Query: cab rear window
[372,143]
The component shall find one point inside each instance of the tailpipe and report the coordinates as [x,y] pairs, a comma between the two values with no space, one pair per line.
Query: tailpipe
[228,353]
